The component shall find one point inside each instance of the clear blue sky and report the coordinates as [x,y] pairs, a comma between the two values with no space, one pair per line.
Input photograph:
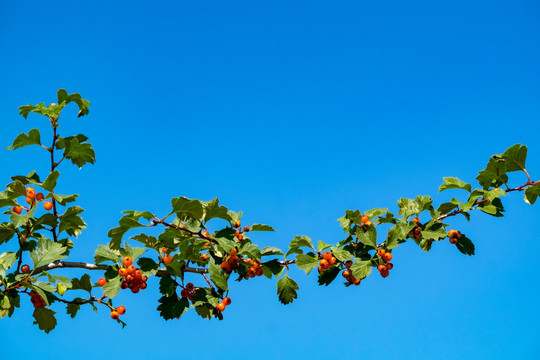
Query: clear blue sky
[292,112]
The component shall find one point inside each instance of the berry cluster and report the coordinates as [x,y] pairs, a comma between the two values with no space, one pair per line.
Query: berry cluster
[386,266]
[231,263]
[32,198]
[221,306]
[167,258]
[255,269]
[240,235]
[416,232]
[36,299]
[188,292]
[454,236]
[134,278]
[347,274]
[327,261]
[365,220]
[115,314]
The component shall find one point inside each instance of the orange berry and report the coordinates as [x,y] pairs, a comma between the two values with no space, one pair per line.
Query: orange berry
[204,257]
[385,273]
[144,278]
[39,196]
[25,269]
[324,263]
[226,266]
[327,255]
[122,272]
[369,223]
[135,290]
[387,256]
[346,274]
[381,252]
[227,301]
[259,271]
[164,250]
[220,307]
[240,237]
[356,282]
[28,200]
[237,224]
[233,252]
[102,281]
[121,310]
[246,228]
[382,267]
[130,278]
[321,269]
[127,261]
[332,261]
[143,286]
[30,193]
[389,266]
[365,219]
[416,220]
[115,315]
[207,244]
[453,240]
[17,209]
[167,259]
[48,205]
[138,274]
[131,270]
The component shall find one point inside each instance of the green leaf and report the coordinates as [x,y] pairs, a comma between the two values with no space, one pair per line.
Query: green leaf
[250,250]
[45,319]
[272,267]
[532,193]
[213,210]
[26,109]
[261,227]
[375,212]
[321,245]
[454,183]
[465,245]
[7,260]
[341,254]
[307,262]
[104,253]
[71,222]
[83,283]
[147,265]
[167,285]
[7,230]
[50,182]
[361,268]
[64,199]
[133,252]
[72,309]
[368,237]
[183,206]
[515,157]
[64,99]
[286,290]
[111,288]
[21,220]
[445,208]
[127,222]
[494,175]
[47,252]
[217,276]
[301,241]
[267,251]
[22,140]
[172,307]
[79,153]
[327,276]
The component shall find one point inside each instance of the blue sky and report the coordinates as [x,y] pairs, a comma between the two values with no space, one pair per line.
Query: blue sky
[292,112]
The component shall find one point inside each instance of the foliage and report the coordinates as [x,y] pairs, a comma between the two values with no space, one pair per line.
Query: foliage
[186,245]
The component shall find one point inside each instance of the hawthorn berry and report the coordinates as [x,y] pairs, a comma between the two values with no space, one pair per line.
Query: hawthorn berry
[184,293]
[327,255]
[227,301]
[389,266]
[121,310]
[17,209]
[31,193]
[167,259]
[127,261]
[124,285]
[246,228]
[387,257]
[382,267]
[25,269]
[220,307]
[102,281]
[190,287]
[131,270]
[381,252]
[346,274]
[122,272]
[143,285]
[204,257]
[233,252]
[348,264]
[115,315]
[48,205]
[164,250]
[138,274]
[226,266]
[385,273]
[453,241]
[39,196]
[365,219]
[237,224]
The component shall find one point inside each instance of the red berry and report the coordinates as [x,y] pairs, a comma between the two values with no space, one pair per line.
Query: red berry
[131,270]
[365,219]
[114,315]
[220,307]
[227,301]
[122,272]
[17,209]
[39,196]
[127,261]
[102,281]
[121,310]
[387,256]
[48,205]
[25,269]
[167,259]
[190,287]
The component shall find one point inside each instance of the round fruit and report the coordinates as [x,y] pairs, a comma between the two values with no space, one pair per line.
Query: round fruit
[385,273]
[227,301]
[356,282]
[365,219]
[220,307]
[122,272]
[389,266]
[416,220]
[246,228]
[167,259]
[28,200]
[226,267]
[30,193]
[124,285]
[127,261]
[332,261]
[233,252]
[143,286]
[346,274]
[381,252]
[135,290]
[164,250]
[25,269]
[48,205]
[114,315]
[121,310]
[131,269]
[190,287]
[453,240]
[204,257]
[240,237]
[387,256]
[327,255]
[324,263]
[348,264]
[17,209]
[102,281]
[237,224]
[39,196]
[382,267]
[184,293]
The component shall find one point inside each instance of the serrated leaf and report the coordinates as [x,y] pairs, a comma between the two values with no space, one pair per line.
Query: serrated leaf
[269,250]
[272,267]
[183,206]
[72,309]
[361,268]
[307,262]
[261,227]
[167,285]
[445,208]
[22,140]
[532,193]
[368,237]
[71,222]
[217,276]
[83,283]
[172,307]
[454,183]
[79,153]
[515,157]
[373,213]
[111,288]
[250,250]
[327,276]
[494,175]
[341,254]
[50,182]
[212,210]
[64,199]
[286,290]
[298,242]
[7,260]
[21,220]
[7,231]
[47,252]
[45,319]
[147,265]
[104,253]
[465,245]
